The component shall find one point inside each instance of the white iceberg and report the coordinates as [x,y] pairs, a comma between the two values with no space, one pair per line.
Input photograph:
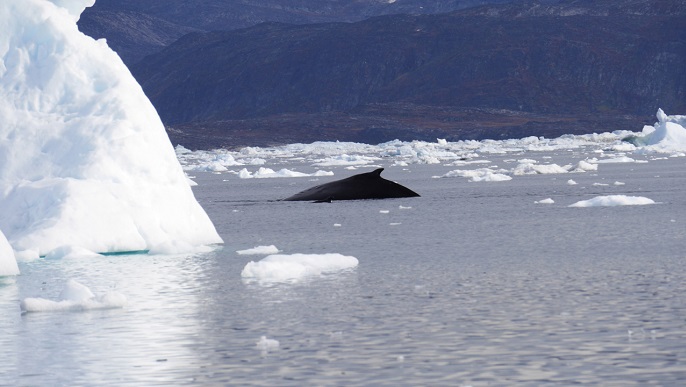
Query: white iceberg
[8,262]
[74,297]
[85,159]
[284,268]
[668,135]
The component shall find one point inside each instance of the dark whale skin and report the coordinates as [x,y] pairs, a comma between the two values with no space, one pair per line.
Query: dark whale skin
[368,185]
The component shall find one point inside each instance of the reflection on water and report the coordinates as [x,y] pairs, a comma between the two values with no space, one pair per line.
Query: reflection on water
[491,295]
[189,321]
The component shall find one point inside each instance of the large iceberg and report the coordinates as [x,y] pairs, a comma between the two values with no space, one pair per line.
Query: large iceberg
[668,135]
[84,157]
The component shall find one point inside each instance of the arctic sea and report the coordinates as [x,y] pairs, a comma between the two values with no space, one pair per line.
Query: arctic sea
[475,283]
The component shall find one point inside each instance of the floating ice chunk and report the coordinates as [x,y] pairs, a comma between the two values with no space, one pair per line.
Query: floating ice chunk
[214,166]
[613,200]
[207,162]
[280,268]
[245,174]
[404,207]
[571,182]
[615,160]
[8,262]
[74,297]
[546,201]
[384,211]
[441,141]
[458,163]
[256,161]
[623,147]
[265,173]
[345,159]
[528,168]
[259,250]
[619,183]
[478,175]
[585,166]
[266,345]
[668,135]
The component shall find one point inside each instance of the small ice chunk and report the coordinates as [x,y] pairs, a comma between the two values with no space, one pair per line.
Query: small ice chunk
[288,268]
[266,345]
[613,200]
[479,175]
[571,182]
[546,201]
[74,297]
[266,173]
[585,166]
[616,160]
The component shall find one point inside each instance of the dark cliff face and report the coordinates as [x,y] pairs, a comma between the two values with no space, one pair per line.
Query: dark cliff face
[136,28]
[544,64]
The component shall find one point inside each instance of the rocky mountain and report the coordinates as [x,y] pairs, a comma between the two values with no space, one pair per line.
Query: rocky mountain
[490,72]
[136,28]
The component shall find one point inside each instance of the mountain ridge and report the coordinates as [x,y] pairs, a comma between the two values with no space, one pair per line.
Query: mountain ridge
[526,68]
[103,19]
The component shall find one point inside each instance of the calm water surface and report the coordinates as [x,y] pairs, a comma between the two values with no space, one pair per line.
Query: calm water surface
[474,285]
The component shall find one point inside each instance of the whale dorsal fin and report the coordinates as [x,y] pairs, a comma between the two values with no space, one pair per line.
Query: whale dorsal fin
[376,172]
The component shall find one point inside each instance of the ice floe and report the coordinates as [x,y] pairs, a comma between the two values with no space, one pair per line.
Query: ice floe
[618,146]
[613,200]
[266,345]
[294,267]
[74,297]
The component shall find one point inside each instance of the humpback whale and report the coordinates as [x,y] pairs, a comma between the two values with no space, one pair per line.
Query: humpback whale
[368,185]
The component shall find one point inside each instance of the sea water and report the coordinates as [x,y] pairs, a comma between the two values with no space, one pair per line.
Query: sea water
[472,284]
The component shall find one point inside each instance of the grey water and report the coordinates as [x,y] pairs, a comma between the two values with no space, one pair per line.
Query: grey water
[472,284]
